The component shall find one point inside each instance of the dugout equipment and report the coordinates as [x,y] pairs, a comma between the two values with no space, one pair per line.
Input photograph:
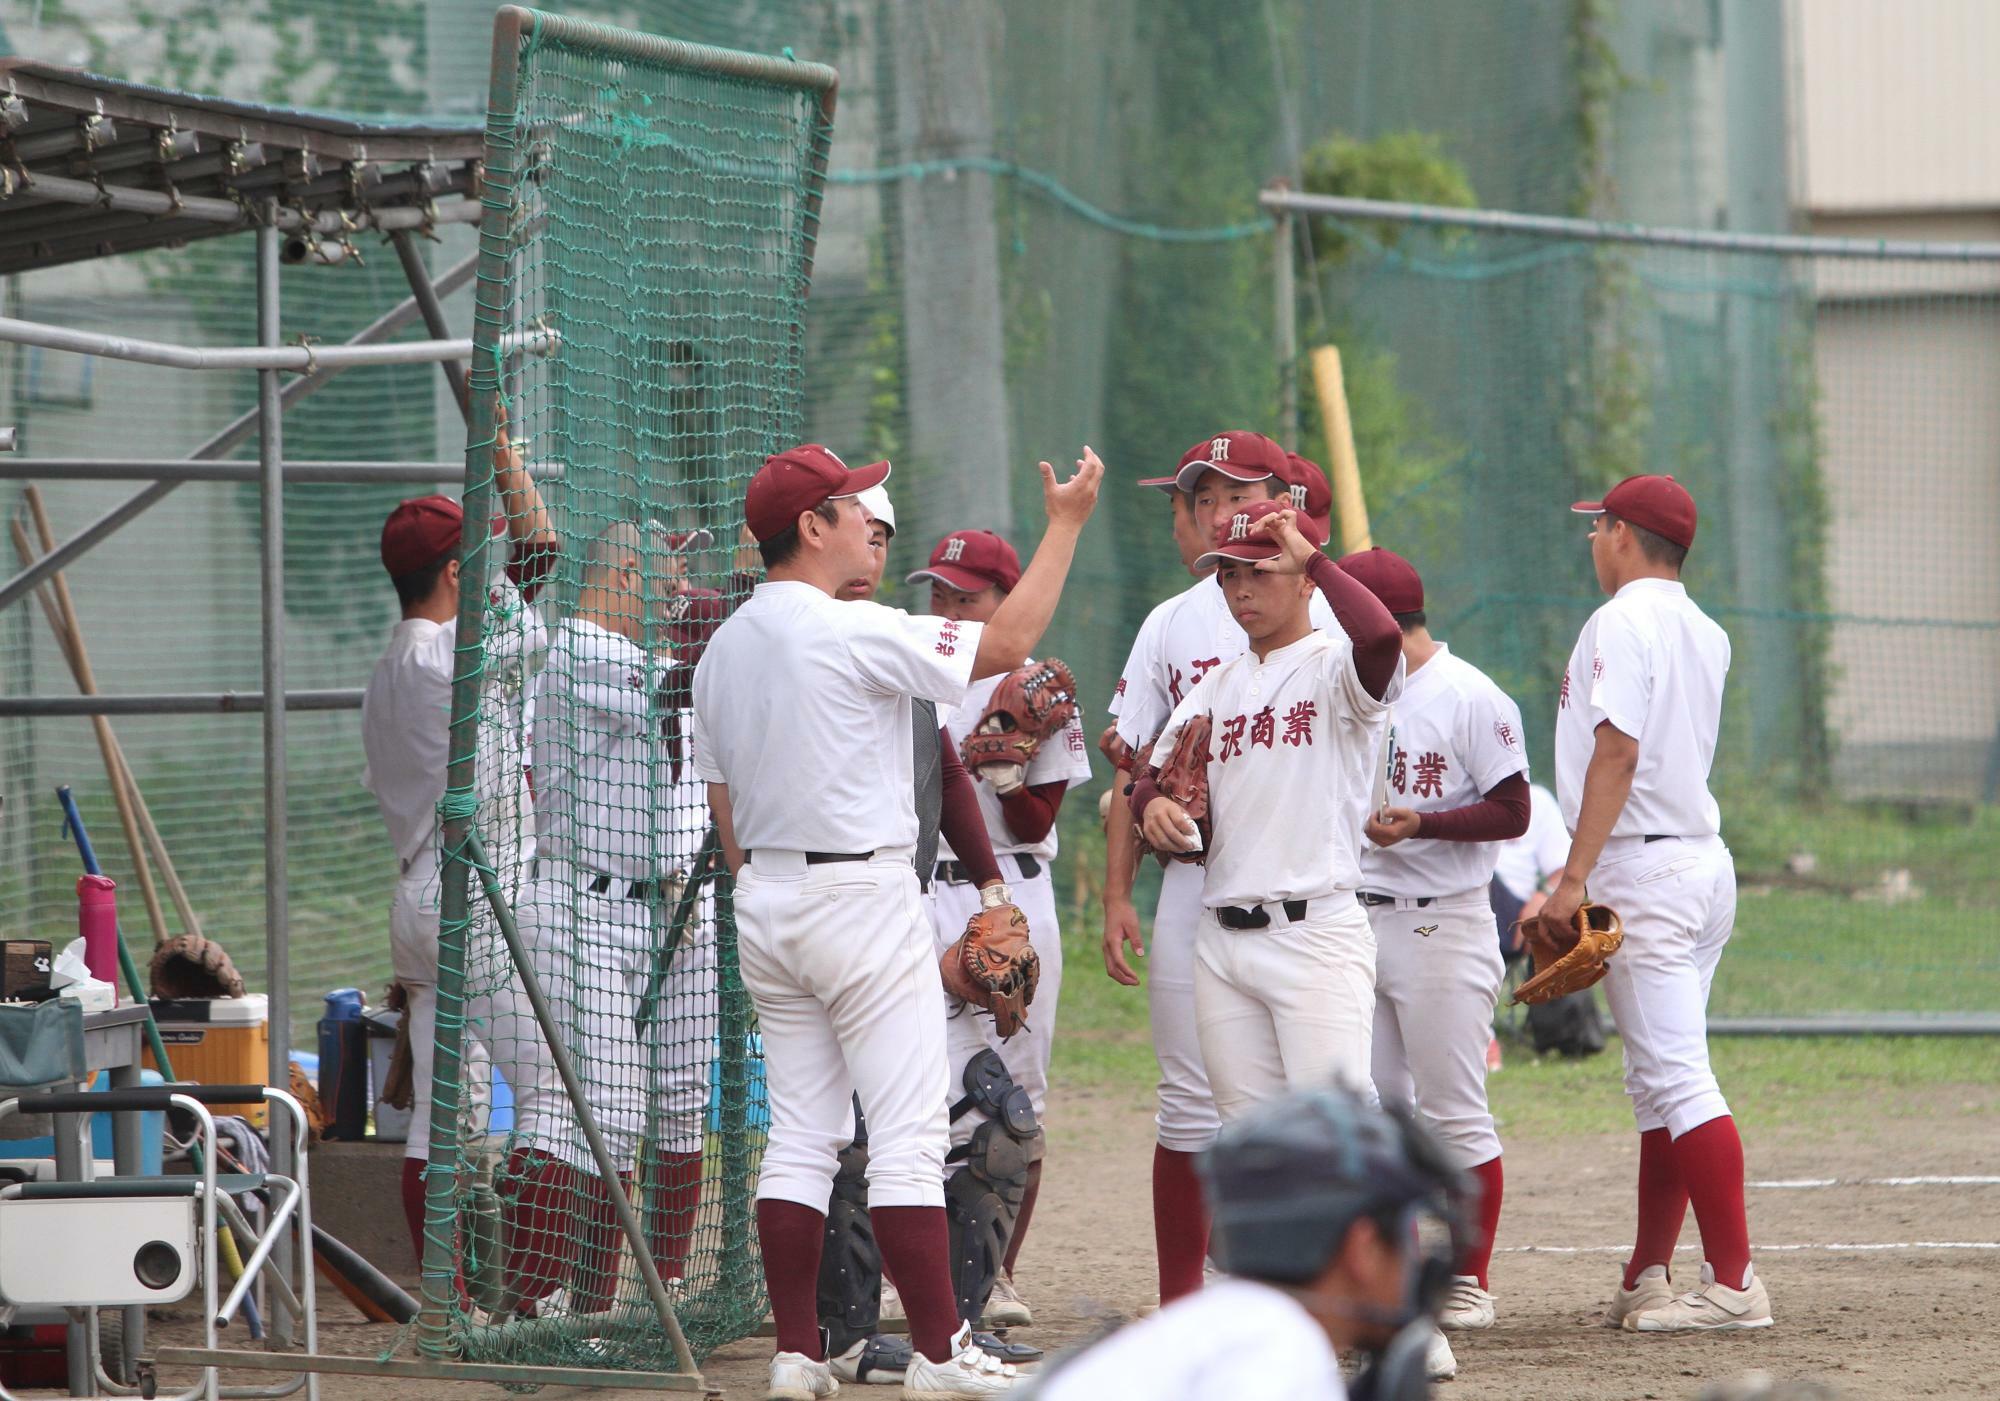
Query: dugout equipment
[194,967]
[992,965]
[1569,957]
[983,1197]
[1030,704]
[850,1262]
[1184,778]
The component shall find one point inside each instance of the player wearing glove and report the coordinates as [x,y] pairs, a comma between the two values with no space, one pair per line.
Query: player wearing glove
[1181,641]
[1569,957]
[1637,718]
[1455,785]
[1021,738]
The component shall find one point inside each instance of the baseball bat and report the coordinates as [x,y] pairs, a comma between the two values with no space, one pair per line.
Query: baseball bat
[366,1287]
[1342,464]
[125,779]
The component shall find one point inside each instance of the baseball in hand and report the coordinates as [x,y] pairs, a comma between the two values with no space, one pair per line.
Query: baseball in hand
[1168,827]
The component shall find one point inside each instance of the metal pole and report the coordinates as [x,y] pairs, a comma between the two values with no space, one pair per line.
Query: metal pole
[419,278]
[302,359]
[1285,328]
[277,913]
[208,210]
[85,469]
[235,432]
[174,703]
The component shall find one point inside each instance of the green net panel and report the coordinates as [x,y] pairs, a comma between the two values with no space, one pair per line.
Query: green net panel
[652,207]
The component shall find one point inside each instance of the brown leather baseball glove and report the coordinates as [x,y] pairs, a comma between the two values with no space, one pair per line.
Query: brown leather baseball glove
[1569,957]
[1028,706]
[1184,778]
[992,965]
[1114,749]
[191,966]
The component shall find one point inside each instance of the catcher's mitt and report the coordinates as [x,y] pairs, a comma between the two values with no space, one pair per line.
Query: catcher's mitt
[992,965]
[1569,957]
[1184,778]
[1028,706]
[192,966]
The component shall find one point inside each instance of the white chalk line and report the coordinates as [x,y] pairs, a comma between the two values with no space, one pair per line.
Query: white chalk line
[1794,1184]
[1759,1248]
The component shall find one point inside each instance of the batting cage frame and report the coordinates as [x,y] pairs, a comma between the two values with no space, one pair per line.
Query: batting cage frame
[519,154]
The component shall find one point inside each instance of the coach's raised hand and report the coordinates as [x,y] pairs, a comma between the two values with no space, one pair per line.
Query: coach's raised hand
[1006,641]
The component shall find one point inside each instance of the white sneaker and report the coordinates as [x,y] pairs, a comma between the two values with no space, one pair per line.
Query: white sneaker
[796,1377]
[1712,1308]
[1467,1305]
[892,1302]
[1439,1363]
[1652,1290]
[969,1372]
[877,1361]
[1005,1308]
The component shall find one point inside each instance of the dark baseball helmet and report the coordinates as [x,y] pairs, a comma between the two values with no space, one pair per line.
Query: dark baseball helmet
[1286,1182]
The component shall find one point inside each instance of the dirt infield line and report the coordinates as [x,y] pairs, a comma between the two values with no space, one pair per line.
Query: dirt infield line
[1793,1184]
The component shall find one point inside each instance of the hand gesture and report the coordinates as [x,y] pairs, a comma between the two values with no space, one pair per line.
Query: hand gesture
[1283,526]
[1121,927]
[1391,825]
[1070,503]
[1167,827]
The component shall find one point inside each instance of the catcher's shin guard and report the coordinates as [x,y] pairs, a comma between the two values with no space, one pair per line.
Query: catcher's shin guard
[850,1262]
[982,1199]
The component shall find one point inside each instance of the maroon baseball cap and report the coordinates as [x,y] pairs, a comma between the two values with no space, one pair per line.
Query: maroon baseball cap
[1656,503]
[1236,537]
[1245,456]
[419,533]
[1312,494]
[971,560]
[680,541]
[797,480]
[1388,576]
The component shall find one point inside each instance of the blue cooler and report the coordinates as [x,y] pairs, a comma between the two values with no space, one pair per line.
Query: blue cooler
[152,1124]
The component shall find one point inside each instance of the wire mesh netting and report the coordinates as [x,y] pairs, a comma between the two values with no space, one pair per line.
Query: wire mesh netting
[653,211]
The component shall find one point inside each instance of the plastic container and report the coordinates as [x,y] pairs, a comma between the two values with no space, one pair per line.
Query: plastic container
[343,1065]
[219,1041]
[151,1123]
[97,922]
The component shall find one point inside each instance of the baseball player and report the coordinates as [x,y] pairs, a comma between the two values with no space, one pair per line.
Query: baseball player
[802,730]
[1326,1209]
[1636,723]
[406,735]
[1457,787]
[1181,640]
[970,574]
[620,818]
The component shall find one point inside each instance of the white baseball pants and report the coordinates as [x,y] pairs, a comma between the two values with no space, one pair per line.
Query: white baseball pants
[1677,898]
[1287,1007]
[1187,1121]
[968,1032]
[1437,975]
[841,964]
[413,955]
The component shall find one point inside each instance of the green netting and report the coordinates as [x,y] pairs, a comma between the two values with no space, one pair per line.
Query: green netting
[653,206]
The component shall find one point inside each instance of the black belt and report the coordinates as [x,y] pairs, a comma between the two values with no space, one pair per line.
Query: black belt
[1256,916]
[1369,897]
[825,858]
[637,890]
[1657,837]
[958,873]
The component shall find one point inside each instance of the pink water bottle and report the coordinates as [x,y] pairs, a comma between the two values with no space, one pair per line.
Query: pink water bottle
[97,922]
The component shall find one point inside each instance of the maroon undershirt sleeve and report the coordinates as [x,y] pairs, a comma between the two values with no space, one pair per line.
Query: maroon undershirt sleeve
[1031,810]
[1500,816]
[530,564]
[1378,641]
[1141,792]
[962,823]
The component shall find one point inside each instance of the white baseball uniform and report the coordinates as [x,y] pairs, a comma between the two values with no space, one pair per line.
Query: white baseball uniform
[406,737]
[1525,862]
[1025,866]
[1454,735]
[837,955]
[1181,641]
[619,816]
[1652,664]
[1294,746]
[1237,1338]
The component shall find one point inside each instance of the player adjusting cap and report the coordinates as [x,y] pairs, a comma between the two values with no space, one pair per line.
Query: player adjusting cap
[1237,537]
[1237,453]
[1388,576]
[971,560]
[799,479]
[875,501]
[419,533]
[1656,503]
[1312,494]
[676,542]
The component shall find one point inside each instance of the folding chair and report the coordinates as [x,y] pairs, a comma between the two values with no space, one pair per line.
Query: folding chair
[122,1241]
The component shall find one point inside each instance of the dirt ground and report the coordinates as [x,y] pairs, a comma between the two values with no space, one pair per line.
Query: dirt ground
[1880,1290]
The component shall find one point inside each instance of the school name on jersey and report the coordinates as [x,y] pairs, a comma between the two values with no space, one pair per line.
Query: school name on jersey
[1178,683]
[947,643]
[1596,674]
[1431,767]
[1262,730]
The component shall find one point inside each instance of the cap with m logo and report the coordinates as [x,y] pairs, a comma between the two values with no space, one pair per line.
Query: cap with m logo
[1238,454]
[971,560]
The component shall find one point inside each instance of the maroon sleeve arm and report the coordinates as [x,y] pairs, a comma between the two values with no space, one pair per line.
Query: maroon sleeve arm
[1141,792]
[1500,816]
[962,823]
[1378,641]
[1031,810]
[530,563]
